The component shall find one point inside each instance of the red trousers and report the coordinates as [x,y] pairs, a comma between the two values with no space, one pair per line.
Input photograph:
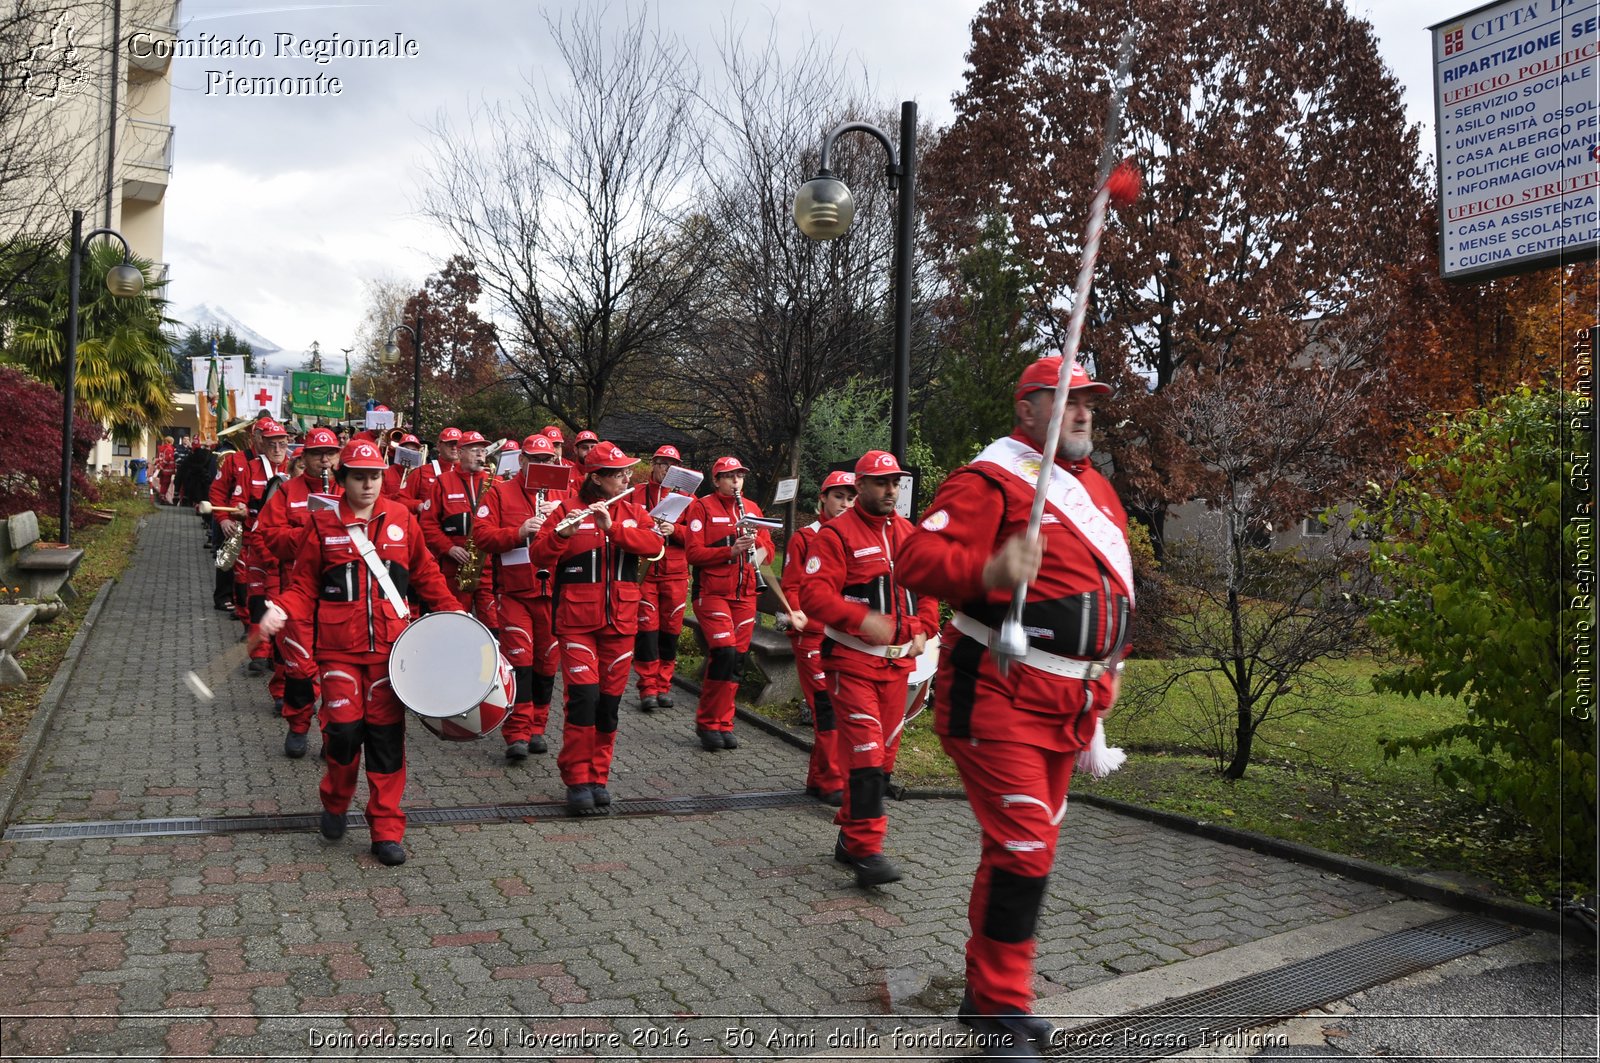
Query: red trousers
[825,772]
[595,673]
[360,714]
[726,624]
[295,678]
[1019,795]
[869,714]
[529,643]
[655,648]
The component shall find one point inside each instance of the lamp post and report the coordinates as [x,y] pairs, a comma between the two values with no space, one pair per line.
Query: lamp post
[121,281]
[824,208]
[391,355]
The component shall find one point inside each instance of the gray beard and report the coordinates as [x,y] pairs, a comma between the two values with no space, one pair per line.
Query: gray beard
[1074,450]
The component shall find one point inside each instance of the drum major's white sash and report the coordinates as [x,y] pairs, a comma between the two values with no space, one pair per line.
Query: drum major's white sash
[1069,500]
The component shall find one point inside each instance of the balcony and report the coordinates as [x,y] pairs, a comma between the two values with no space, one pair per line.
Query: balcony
[147,160]
[148,44]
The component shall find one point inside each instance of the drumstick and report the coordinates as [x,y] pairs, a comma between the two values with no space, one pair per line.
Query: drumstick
[217,669]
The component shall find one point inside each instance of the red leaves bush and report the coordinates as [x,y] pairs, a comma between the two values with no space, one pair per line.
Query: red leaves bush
[30,447]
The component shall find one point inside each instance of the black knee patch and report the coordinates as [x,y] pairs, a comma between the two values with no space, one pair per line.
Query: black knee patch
[1013,909]
[647,646]
[605,720]
[582,702]
[668,648]
[524,675]
[541,689]
[866,793]
[822,711]
[298,693]
[386,747]
[344,740]
[724,663]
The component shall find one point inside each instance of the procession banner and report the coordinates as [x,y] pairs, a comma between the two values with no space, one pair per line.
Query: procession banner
[231,367]
[1517,117]
[317,395]
[261,393]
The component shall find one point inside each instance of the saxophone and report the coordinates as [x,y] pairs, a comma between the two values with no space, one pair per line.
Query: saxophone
[472,569]
[228,552]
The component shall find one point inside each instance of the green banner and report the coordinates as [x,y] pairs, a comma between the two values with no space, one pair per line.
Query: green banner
[317,395]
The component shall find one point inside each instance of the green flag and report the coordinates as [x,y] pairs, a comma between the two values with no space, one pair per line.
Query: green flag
[317,394]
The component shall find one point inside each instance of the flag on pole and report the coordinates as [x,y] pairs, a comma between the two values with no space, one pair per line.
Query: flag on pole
[215,390]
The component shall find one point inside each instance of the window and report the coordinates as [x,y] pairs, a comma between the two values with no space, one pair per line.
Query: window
[123,448]
[1315,527]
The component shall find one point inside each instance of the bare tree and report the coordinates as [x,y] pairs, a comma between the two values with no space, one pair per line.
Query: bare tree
[1270,447]
[52,103]
[570,202]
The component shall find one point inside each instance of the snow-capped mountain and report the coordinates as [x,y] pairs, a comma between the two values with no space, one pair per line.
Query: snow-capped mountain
[206,317]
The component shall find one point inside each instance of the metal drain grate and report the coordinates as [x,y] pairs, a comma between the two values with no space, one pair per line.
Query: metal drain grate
[663,806]
[1219,1016]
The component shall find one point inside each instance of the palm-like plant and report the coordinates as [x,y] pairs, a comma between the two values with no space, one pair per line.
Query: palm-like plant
[124,350]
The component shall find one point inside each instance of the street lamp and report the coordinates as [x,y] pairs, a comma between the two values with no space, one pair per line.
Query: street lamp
[391,355]
[824,208]
[121,281]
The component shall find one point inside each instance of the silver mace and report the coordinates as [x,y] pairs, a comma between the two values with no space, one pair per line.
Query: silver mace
[1010,643]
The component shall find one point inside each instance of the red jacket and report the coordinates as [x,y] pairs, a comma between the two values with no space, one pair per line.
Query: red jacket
[672,564]
[397,486]
[1076,606]
[287,514]
[446,514]
[419,485]
[496,531]
[794,559]
[851,572]
[233,472]
[596,572]
[712,522]
[333,595]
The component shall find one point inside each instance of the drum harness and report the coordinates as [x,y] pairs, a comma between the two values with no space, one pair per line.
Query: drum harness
[379,570]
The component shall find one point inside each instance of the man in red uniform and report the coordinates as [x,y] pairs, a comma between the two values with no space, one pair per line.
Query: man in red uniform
[226,495]
[873,627]
[283,523]
[581,445]
[595,558]
[419,485]
[166,465]
[666,591]
[726,555]
[397,477]
[260,568]
[355,617]
[825,774]
[508,519]
[1014,737]
[446,516]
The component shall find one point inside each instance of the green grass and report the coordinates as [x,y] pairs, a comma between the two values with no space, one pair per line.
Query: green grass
[1317,776]
[107,548]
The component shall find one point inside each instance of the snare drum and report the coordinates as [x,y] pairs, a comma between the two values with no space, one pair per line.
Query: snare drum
[448,670]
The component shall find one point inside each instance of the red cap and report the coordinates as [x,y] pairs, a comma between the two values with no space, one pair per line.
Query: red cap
[607,456]
[838,479]
[553,433]
[878,463]
[729,464]
[586,436]
[271,429]
[321,439]
[450,435]
[380,408]
[669,451]
[409,438]
[361,454]
[1044,374]
[473,439]
[538,443]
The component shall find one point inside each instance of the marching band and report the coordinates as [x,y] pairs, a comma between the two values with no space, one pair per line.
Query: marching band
[564,567]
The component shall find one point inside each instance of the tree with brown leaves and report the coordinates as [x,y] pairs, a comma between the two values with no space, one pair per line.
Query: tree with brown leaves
[1282,183]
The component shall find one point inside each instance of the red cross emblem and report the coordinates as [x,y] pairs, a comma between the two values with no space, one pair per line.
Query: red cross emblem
[263,396]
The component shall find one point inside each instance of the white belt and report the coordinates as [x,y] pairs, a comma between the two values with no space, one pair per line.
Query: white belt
[1054,663]
[891,652]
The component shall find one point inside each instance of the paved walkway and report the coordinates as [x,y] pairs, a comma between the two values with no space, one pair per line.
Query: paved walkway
[661,932]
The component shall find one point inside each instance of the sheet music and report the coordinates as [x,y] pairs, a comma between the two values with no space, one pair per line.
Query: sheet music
[671,507]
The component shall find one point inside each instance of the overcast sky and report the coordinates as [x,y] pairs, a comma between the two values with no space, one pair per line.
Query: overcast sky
[280,209]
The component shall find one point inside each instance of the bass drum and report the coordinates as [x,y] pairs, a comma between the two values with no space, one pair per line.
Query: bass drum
[447,669]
